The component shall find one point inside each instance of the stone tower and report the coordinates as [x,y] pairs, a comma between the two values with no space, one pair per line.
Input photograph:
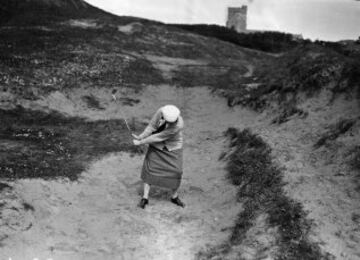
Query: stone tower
[237,18]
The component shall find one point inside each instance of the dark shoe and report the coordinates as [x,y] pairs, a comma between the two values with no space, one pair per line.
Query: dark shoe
[178,202]
[143,202]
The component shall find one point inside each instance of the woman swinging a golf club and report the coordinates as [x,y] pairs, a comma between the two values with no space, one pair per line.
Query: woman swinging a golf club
[164,158]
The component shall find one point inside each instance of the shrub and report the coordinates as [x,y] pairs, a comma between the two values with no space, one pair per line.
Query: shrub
[4,186]
[92,102]
[287,111]
[341,127]
[355,161]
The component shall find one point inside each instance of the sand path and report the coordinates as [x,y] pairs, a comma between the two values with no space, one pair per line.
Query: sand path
[97,218]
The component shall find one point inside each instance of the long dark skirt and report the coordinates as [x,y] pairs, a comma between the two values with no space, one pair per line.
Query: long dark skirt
[163,168]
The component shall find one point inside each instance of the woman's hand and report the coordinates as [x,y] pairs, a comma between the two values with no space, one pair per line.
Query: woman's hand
[135,136]
[136,142]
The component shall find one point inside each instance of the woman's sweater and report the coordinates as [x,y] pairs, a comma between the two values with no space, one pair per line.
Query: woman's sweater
[171,137]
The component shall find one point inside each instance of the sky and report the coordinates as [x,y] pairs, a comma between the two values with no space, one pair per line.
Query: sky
[330,20]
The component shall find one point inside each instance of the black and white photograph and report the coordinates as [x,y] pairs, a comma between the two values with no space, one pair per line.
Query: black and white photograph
[180,130]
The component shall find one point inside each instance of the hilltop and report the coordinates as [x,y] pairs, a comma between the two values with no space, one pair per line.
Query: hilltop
[69,176]
[30,12]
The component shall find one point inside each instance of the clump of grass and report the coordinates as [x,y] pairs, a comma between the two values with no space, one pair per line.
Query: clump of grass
[287,111]
[28,207]
[4,186]
[92,102]
[340,128]
[350,78]
[260,182]
[49,145]
[354,163]
[254,99]
[355,160]
[126,101]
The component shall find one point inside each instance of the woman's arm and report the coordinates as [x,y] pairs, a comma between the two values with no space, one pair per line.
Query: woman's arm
[152,126]
[160,137]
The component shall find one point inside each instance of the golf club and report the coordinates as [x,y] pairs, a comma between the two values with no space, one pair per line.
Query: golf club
[123,116]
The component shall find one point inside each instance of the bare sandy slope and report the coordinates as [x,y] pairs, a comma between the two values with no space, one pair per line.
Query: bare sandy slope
[321,179]
[97,217]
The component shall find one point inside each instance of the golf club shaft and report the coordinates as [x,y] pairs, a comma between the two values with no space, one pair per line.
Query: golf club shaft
[127,125]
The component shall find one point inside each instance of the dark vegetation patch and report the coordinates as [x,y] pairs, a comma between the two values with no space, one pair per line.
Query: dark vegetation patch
[254,97]
[4,186]
[260,182]
[141,70]
[334,131]
[126,101]
[92,102]
[350,78]
[28,207]
[165,40]
[2,238]
[348,48]
[304,71]
[49,145]
[354,163]
[287,111]
[264,41]
[355,217]
[355,160]
[268,41]
[35,61]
